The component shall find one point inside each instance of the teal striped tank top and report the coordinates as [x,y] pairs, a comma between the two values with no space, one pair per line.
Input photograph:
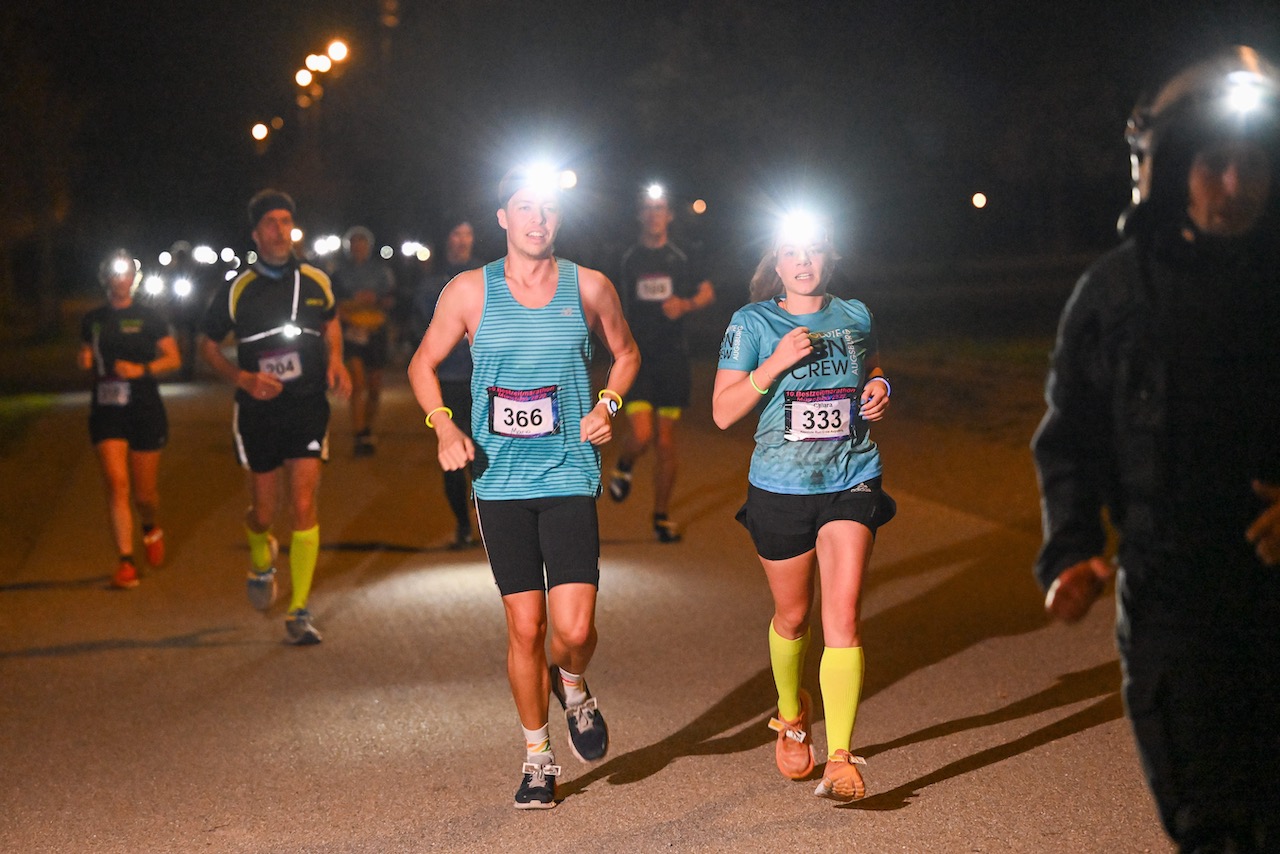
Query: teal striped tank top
[531,388]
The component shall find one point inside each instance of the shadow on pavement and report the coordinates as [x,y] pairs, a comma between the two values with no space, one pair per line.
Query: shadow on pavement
[1104,711]
[990,596]
[191,640]
[63,584]
[700,737]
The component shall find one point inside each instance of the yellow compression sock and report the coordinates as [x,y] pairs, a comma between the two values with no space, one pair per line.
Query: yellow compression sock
[259,548]
[787,659]
[840,675]
[304,550]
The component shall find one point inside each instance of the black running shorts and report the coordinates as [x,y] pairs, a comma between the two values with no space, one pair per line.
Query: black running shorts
[142,423]
[537,543]
[286,428]
[786,526]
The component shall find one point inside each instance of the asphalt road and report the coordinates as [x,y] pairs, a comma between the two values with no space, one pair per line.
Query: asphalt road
[173,718]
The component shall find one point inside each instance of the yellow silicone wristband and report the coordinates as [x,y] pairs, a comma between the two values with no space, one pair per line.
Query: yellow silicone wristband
[751,378]
[605,391]
[434,411]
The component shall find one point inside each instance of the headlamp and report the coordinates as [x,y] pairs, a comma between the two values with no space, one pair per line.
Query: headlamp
[654,192]
[1245,91]
[182,287]
[800,228]
[292,330]
[542,178]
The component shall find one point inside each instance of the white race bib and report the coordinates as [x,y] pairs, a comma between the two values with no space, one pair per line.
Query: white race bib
[113,393]
[524,414]
[819,414]
[284,365]
[654,288]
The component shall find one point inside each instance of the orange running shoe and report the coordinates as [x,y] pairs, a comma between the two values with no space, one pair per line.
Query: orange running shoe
[841,780]
[794,750]
[153,543]
[126,576]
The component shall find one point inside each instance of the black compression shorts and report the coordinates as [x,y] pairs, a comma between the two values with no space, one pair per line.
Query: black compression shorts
[525,536]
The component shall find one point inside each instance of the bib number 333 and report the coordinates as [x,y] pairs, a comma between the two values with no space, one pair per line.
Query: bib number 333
[813,416]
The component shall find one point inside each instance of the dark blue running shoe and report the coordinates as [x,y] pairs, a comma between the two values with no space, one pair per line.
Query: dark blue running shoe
[538,785]
[588,733]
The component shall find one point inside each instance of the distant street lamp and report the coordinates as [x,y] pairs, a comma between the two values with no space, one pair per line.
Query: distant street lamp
[337,50]
[259,131]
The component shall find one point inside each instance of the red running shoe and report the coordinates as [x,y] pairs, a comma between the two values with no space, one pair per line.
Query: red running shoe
[126,576]
[153,543]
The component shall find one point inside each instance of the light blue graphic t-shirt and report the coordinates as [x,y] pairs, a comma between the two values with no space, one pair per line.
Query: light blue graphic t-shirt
[810,438]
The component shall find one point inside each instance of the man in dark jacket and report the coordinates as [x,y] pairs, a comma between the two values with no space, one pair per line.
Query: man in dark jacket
[1164,412]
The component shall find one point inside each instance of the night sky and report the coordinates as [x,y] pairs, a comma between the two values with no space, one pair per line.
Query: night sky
[887,114]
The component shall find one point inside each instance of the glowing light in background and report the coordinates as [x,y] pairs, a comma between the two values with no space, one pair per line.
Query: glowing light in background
[414,249]
[259,131]
[337,50]
[327,245]
[699,206]
[979,200]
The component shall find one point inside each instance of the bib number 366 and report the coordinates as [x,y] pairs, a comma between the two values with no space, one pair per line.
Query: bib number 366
[524,414]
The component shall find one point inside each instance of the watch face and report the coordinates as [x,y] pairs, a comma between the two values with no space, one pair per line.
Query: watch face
[611,405]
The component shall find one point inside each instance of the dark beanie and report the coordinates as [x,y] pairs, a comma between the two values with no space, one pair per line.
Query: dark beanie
[266,201]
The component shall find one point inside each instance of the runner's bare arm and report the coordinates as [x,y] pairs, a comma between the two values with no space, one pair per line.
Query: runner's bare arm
[604,316]
[456,316]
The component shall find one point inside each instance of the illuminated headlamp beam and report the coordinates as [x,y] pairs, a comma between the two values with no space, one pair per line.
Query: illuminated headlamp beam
[545,179]
[800,228]
[1244,91]
[655,191]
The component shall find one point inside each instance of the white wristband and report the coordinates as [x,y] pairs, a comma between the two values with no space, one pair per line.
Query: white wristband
[888,389]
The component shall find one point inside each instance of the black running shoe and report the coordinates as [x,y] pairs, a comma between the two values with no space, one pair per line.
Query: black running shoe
[619,485]
[588,733]
[666,531]
[538,785]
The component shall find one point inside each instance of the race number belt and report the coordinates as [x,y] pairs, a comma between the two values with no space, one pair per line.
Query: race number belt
[654,288]
[112,393]
[818,415]
[524,414]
